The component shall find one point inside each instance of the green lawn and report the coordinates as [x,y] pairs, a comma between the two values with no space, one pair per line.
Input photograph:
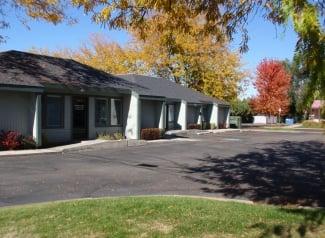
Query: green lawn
[158,217]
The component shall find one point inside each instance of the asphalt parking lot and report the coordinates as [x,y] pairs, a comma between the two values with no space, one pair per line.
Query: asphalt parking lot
[272,167]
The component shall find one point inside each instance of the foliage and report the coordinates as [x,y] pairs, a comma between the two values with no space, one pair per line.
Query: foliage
[194,126]
[102,54]
[28,142]
[195,60]
[310,49]
[208,126]
[158,217]
[151,133]
[313,124]
[272,84]
[213,126]
[109,136]
[10,140]
[297,88]
[243,109]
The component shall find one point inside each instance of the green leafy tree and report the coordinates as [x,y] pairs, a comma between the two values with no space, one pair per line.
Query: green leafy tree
[242,108]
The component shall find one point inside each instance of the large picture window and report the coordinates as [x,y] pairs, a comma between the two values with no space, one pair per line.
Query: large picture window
[53,111]
[101,113]
[116,112]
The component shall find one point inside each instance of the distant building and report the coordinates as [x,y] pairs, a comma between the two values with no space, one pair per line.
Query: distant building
[316,108]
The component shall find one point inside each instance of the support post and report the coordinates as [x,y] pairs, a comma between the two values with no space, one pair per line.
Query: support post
[132,128]
[162,119]
[37,127]
[214,115]
[182,116]
[200,118]
[228,118]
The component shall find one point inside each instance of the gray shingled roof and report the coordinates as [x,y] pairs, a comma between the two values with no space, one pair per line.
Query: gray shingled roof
[33,70]
[153,86]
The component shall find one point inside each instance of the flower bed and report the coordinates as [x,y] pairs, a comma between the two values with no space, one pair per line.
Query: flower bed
[13,140]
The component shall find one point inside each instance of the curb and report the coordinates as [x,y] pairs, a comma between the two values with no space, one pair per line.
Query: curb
[75,147]
[284,131]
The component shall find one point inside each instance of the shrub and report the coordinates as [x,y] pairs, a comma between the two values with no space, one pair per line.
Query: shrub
[313,124]
[10,140]
[213,126]
[107,136]
[118,136]
[194,126]
[206,126]
[222,126]
[28,142]
[152,133]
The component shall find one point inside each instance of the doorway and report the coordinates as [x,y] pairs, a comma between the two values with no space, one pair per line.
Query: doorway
[79,118]
[170,116]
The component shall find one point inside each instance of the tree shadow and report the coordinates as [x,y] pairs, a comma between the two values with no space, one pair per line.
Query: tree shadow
[284,173]
[309,227]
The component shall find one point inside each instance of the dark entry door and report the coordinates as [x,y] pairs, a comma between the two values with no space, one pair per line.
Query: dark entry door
[79,118]
[170,116]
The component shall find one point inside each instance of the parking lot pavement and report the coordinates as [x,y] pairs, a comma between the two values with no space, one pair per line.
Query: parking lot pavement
[277,168]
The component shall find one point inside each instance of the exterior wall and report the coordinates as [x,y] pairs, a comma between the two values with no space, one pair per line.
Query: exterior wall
[94,131]
[60,135]
[150,113]
[265,120]
[223,117]
[17,111]
[193,114]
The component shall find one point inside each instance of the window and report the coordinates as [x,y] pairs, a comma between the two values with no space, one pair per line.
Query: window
[53,111]
[101,113]
[116,112]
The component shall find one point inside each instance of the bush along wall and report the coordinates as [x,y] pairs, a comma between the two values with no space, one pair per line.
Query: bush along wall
[152,134]
[13,140]
[194,126]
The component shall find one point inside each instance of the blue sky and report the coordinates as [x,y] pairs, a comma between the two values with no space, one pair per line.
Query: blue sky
[266,40]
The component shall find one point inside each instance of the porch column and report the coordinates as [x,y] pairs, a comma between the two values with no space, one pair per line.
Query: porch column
[162,119]
[132,128]
[200,118]
[214,115]
[182,116]
[37,129]
[228,118]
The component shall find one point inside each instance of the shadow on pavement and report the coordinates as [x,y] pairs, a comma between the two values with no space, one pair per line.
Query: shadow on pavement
[284,173]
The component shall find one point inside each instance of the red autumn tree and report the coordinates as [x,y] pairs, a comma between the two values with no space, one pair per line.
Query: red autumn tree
[272,85]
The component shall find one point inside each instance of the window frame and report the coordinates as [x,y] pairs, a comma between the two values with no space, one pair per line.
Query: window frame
[110,113]
[45,115]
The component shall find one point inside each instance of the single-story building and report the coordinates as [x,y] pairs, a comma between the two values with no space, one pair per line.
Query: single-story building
[60,100]
[316,110]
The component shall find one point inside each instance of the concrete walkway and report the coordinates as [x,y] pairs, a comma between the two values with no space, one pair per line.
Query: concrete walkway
[56,149]
[98,144]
